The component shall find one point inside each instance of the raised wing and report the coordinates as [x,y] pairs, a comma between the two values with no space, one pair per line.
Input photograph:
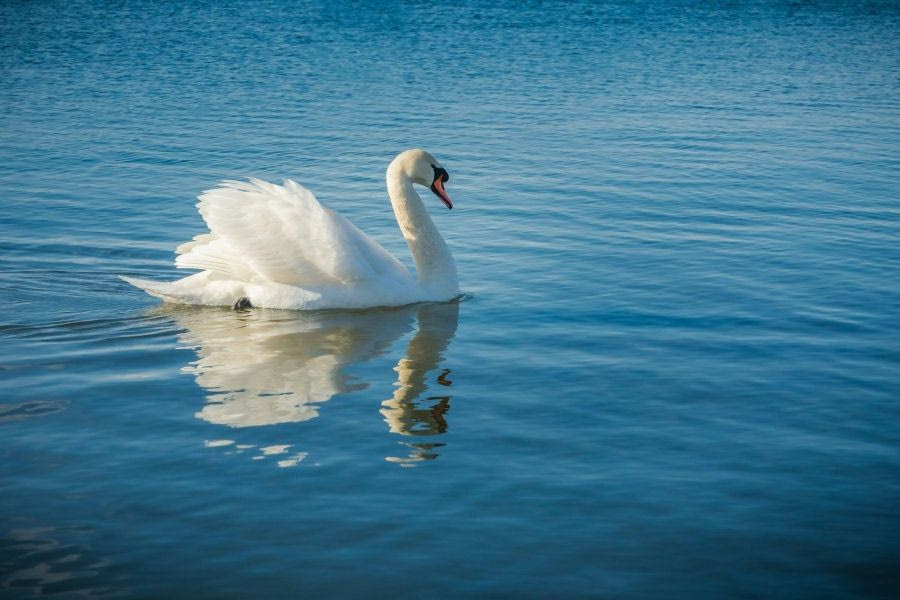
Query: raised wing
[281,233]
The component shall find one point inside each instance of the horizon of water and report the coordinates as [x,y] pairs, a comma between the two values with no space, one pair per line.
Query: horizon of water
[675,371]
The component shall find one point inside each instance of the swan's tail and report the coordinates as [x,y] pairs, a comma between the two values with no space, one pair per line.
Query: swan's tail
[164,290]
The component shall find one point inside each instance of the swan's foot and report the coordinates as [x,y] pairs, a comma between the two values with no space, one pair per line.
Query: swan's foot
[243,302]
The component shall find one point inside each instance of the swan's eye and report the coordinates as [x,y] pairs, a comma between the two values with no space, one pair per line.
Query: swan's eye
[440,173]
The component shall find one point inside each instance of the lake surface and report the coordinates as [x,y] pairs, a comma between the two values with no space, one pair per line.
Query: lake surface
[675,372]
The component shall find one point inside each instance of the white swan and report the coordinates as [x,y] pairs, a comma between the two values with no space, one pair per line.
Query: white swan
[276,246]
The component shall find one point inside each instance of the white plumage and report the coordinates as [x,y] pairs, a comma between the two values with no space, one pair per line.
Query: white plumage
[279,247]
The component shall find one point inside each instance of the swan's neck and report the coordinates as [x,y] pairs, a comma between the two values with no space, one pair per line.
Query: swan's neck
[434,264]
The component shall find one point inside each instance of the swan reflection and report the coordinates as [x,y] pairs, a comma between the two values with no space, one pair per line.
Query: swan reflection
[407,413]
[265,367]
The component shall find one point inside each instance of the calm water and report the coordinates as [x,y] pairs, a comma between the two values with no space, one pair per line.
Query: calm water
[676,372]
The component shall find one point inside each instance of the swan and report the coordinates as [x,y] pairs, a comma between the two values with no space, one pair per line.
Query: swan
[276,246]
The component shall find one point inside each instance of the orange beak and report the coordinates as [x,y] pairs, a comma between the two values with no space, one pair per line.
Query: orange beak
[437,186]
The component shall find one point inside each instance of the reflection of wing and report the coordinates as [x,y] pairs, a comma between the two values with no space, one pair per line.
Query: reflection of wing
[313,245]
[310,383]
[265,367]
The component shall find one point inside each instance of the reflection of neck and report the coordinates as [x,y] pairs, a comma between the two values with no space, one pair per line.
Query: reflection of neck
[434,264]
[437,325]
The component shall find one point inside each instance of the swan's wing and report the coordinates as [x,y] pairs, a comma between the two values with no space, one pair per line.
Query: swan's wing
[283,234]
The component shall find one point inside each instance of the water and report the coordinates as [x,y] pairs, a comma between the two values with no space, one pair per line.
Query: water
[676,371]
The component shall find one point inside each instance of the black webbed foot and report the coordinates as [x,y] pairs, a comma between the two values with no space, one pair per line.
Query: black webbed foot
[243,302]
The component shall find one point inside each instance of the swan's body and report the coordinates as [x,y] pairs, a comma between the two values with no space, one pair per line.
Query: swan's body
[276,246]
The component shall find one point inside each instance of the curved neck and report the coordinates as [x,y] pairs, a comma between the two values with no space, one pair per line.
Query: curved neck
[434,264]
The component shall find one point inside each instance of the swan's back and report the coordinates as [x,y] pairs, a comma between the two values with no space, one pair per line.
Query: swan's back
[261,231]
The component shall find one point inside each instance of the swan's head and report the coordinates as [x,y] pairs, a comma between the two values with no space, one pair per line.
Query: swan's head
[424,169]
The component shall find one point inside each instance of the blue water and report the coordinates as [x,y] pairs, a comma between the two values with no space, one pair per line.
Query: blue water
[675,372]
